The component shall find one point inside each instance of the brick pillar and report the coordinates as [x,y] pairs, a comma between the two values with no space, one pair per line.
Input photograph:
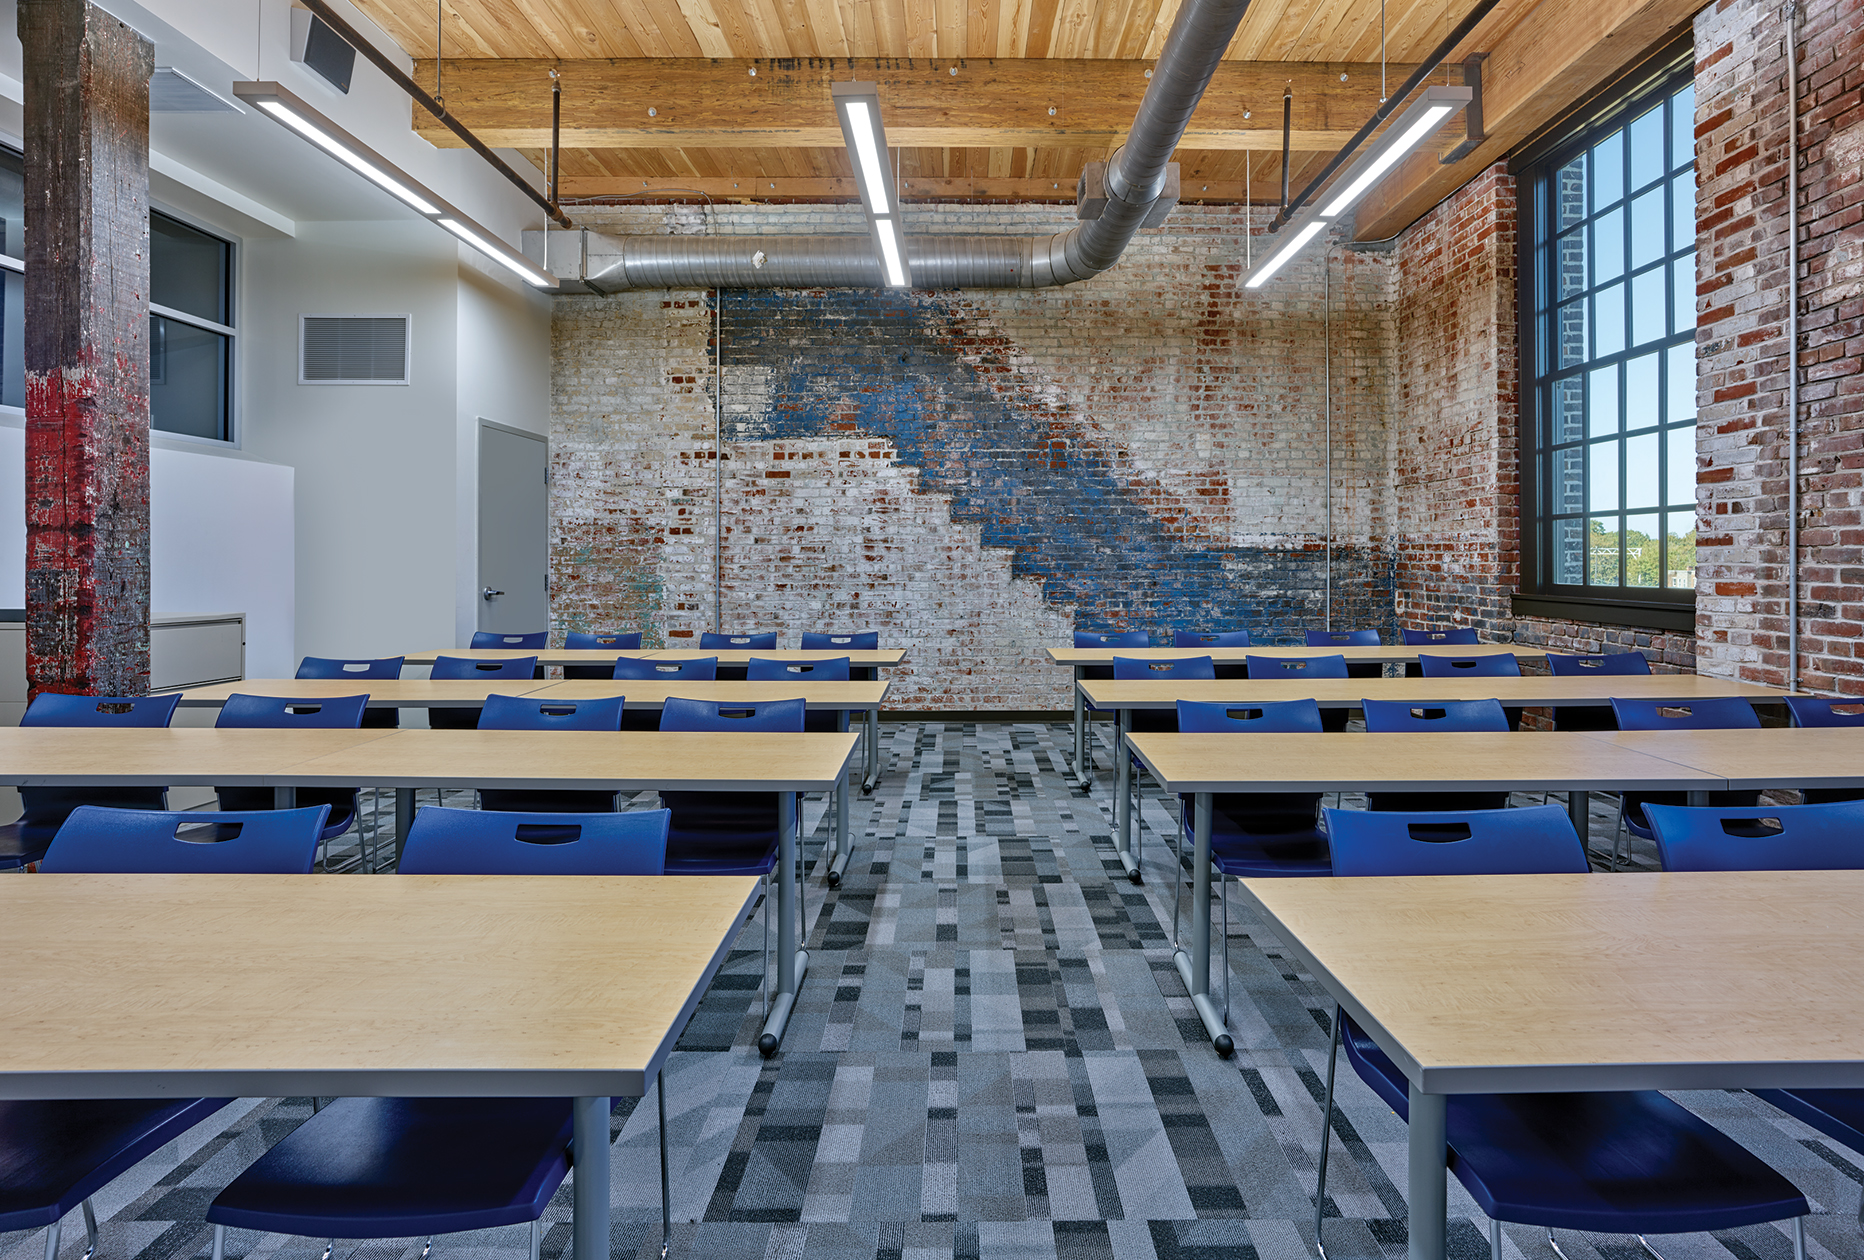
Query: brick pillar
[87,349]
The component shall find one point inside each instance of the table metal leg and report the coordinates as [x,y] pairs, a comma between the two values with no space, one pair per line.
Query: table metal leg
[1081,768]
[1579,809]
[1428,1197]
[590,1189]
[666,1178]
[843,846]
[873,751]
[1698,800]
[1122,797]
[284,798]
[404,819]
[792,961]
[1194,967]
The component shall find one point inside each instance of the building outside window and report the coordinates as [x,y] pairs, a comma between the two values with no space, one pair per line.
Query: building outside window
[191,333]
[1608,360]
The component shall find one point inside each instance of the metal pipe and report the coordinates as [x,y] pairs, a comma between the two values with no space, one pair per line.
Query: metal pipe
[1287,142]
[556,131]
[718,465]
[381,61]
[1326,338]
[1391,103]
[1792,349]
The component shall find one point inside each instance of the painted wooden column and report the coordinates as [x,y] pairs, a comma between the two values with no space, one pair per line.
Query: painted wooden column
[87,349]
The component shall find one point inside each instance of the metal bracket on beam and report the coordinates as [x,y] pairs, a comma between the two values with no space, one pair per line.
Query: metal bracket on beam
[1473,135]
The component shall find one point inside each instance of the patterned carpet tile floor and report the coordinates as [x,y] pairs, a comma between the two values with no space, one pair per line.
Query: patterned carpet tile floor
[992,1057]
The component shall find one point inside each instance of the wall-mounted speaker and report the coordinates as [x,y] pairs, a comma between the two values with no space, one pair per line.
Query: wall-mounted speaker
[321,49]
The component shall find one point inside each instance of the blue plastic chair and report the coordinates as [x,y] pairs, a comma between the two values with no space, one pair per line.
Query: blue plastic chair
[1450,665]
[709,642]
[1214,638]
[97,841]
[1296,668]
[493,639]
[1350,638]
[833,669]
[1142,669]
[524,713]
[361,668]
[1389,717]
[56,1153]
[596,641]
[1591,717]
[1440,636]
[467,668]
[401,1167]
[1826,711]
[43,809]
[280,713]
[1099,639]
[852,641]
[1726,713]
[646,669]
[1251,833]
[1630,1162]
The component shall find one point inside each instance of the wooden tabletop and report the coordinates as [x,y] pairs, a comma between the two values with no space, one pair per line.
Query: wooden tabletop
[1345,693]
[1352,761]
[272,985]
[1236,655]
[1592,982]
[625,761]
[45,756]
[876,658]
[642,694]
[394,693]
[1792,756]
[606,656]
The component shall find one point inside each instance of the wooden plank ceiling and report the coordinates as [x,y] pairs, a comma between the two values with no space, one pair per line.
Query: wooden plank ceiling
[986,99]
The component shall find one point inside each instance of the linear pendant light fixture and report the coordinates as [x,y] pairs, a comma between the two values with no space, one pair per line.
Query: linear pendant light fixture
[292,113]
[858,107]
[1435,107]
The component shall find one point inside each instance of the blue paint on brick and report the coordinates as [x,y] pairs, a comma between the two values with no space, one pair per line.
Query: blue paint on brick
[1031,480]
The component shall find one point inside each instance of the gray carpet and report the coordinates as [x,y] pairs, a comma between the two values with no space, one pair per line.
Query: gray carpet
[992,1057]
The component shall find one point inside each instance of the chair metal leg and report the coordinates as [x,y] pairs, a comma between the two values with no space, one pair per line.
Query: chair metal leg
[1645,1244]
[1495,1240]
[1223,893]
[330,1246]
[1326,1136]
[666,1184]
[52,1233]
[1799,1238]
[220,1242]
[1177,872]
[769,901]
[90,1230]
[537,1238]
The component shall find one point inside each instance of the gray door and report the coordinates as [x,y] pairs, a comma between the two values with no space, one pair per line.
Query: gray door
[514,530]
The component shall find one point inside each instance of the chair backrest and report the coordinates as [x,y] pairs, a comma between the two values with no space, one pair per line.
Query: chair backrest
[486,842]
[492,639]
[1296,668]
[456,668]
[1280,717]
[98,841]
[51,708]
[329,713]
[1440,636]
[1765,838]
[781,716]
[755,642]
[639,668]
[1562,665]
[523,713]
[853,641]
[1722,713]
[1117,639]
[596,640]
[1825,711]
[1385,717]
[1342,638]
[1214,638]
[338,667]
[1538,840]
[1446,665]
[1140,669]
[765,669]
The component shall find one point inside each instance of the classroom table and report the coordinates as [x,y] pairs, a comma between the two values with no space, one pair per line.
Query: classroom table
[1530,691]
[1736,980]
[374,988]
[1789,757]
[1080,659]
[1201,766]
[407,760]
[385,693]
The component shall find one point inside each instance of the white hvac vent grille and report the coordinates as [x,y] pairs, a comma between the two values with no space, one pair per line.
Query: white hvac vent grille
[353,349]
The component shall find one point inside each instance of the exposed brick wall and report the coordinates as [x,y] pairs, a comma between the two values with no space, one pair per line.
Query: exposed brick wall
[977,474]
[1742,140]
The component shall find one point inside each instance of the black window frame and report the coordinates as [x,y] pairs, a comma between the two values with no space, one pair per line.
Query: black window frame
[1535,168]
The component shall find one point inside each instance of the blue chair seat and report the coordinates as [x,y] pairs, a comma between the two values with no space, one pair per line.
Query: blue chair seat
[401,1167]
[1622,1162]
[721,833]
[1837,1113]
[55,1153]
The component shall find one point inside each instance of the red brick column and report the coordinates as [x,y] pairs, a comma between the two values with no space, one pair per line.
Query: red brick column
[87,349]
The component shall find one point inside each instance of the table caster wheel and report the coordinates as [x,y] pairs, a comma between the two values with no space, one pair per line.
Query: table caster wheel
[834,879]
[1224,1046]
[1137,878]
[767,1045]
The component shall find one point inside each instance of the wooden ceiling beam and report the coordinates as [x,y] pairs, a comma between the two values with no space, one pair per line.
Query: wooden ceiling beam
[705,103]
[1555,56]
[913,188]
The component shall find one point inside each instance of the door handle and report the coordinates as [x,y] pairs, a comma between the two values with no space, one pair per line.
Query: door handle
[489,594]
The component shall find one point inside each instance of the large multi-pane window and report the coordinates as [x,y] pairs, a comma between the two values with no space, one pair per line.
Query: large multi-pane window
[191,333]
[1609,356]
